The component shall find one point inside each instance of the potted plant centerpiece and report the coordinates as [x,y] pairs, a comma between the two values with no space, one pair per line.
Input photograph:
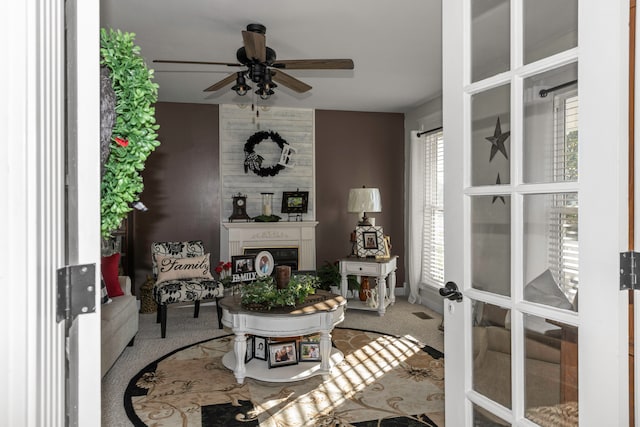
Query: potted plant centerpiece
[263,294]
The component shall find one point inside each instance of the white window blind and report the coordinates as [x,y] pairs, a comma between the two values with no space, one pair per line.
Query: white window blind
[563,221]
[433,219]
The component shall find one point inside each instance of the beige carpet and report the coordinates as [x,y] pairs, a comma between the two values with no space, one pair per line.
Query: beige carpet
[183,330]
[383,379]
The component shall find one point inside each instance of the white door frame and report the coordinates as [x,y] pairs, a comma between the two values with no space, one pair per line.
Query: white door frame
[603,57]
[32,117]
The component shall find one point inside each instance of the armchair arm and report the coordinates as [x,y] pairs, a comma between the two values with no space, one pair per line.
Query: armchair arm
[125,284]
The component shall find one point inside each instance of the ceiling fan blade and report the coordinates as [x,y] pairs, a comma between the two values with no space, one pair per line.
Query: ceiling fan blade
[315,64]
[171,61]
[231,78]
[290,81]
[255,45]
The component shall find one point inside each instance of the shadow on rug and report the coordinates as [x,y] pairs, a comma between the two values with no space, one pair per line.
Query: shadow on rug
[383,381]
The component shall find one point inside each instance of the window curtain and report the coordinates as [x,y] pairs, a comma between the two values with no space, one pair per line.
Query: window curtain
[415,217]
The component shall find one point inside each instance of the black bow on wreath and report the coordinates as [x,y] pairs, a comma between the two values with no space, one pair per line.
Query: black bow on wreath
[253,161]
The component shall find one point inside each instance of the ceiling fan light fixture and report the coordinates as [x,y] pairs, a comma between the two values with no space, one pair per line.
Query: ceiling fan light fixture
[241,87]
[264,93]
[267,85]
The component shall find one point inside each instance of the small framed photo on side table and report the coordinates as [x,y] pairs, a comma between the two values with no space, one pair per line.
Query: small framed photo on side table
[282,354]
[370,241]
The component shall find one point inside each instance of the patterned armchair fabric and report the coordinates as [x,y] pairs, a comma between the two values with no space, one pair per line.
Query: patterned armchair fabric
[183,290]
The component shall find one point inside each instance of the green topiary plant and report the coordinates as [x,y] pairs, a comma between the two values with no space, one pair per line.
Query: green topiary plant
[264,292]
[134,132]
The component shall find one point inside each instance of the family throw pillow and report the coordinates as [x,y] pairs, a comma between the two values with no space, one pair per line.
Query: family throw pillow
[183,268]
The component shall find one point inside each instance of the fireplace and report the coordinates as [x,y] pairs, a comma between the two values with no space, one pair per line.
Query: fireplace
[293,242]
[281,256]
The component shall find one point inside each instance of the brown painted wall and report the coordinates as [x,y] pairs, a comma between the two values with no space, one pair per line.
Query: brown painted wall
[182,182]
[355,149]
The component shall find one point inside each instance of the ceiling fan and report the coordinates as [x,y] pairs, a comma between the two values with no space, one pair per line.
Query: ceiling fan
[262,67]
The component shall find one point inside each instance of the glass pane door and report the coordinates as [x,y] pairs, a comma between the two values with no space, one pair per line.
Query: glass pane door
[521,200]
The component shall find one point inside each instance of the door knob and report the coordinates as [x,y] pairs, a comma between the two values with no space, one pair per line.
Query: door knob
[451,292]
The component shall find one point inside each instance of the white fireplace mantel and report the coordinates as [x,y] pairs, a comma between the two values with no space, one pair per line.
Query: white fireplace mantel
[237,236]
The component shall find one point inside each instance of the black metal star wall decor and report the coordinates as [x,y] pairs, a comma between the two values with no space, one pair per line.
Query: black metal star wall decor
[498,197]
[497,141]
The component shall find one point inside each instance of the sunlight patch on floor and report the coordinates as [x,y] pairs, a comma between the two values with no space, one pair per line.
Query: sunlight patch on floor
[360,369]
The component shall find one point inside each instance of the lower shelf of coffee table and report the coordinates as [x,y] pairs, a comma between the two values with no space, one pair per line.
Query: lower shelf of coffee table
[259,369]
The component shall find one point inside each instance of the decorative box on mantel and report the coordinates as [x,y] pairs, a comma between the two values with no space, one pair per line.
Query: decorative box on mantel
[235,237]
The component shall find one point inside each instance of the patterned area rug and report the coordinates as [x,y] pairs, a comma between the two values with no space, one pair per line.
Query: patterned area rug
[383,381]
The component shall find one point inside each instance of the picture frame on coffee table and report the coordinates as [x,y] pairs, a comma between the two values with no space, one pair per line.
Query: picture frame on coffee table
[309,351]
[260,348]
[248,356]
[283,353]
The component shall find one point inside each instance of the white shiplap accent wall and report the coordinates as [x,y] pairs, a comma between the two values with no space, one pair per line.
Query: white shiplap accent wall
[296,126]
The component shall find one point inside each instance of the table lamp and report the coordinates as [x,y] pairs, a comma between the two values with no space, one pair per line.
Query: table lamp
[363,200]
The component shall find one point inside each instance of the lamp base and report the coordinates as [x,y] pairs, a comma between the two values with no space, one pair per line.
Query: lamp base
[365,221]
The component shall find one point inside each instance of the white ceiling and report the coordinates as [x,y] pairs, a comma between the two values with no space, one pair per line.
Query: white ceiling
[395,46]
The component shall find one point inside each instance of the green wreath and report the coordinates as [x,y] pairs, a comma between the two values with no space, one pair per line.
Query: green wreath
[253,161]
[134,132]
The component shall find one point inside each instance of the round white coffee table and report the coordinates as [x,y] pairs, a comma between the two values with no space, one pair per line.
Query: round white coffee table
[320,317]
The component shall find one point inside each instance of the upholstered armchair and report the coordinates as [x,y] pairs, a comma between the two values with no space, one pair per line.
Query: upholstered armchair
[182,273]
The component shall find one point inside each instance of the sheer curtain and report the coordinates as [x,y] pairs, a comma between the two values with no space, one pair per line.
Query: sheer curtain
[415,220]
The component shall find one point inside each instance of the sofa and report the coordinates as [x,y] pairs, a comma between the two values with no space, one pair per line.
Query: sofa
[492,363]
[119,324]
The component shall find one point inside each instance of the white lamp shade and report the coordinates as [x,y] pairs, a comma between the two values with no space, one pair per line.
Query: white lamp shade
[364,200]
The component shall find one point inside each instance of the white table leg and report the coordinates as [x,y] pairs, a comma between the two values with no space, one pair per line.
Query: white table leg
[382,290]
[343,284]
[325,350]
[392,287]
[240,349]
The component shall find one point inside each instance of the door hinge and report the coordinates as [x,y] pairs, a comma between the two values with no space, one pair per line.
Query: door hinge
[76,291]
[629,270]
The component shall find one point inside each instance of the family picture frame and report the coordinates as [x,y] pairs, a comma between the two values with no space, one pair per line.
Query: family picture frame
[309,351]
[283,353]
[256,348]
[249,354]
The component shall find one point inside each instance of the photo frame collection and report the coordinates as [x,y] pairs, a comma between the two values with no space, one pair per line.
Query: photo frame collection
[279,352]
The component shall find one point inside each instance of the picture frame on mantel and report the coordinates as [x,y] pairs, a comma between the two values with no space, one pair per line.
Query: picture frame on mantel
[295,202]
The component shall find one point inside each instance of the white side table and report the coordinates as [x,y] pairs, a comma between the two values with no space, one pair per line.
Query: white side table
[384,270]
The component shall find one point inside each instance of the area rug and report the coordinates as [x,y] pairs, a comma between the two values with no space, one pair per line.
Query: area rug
[383,381]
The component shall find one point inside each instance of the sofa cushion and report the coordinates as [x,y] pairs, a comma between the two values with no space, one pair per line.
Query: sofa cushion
[544,290]
[119,325]
[109,269]
[117,308]
[170,269]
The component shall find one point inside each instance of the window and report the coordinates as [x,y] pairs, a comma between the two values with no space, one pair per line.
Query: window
[563,221]
[433,219]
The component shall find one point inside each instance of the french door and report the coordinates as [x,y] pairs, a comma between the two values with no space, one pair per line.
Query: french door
[534,116]
[50,192]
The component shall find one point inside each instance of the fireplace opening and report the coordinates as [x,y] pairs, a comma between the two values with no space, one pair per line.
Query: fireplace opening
[281,256]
